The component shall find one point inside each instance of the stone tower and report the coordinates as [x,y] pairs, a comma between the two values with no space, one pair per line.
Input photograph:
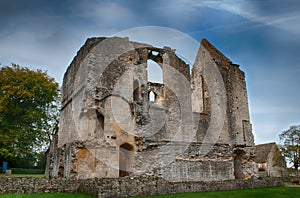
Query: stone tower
[195,128]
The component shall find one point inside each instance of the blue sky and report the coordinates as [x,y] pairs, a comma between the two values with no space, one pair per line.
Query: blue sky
[261,36]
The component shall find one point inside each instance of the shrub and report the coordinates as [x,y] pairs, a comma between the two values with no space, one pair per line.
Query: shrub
[27,171]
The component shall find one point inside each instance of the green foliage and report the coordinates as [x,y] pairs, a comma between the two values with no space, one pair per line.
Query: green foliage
[42,158]
[27,171]
[41,176]
[291,145]
[25,161]
[28,112]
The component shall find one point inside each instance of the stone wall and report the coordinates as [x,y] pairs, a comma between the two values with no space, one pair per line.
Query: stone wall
[143,186]
[126,186]
[28,185]
[110,128]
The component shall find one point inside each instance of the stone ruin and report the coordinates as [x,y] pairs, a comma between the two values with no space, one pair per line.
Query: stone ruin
[195,128]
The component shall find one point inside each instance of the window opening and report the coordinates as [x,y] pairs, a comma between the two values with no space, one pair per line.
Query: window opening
[155,73]
[136,90]
[152,96]
[100,118]
[155,53]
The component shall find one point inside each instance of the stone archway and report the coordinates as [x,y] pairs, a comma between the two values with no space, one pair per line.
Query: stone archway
[125,159]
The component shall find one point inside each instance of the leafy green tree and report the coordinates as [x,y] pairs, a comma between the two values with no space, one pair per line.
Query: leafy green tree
[29,106]
[291,145]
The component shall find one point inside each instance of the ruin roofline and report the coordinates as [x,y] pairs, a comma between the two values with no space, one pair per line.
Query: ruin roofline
[91,42]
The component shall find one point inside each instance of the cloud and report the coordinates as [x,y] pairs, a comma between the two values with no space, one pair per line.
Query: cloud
[273,109]
[267,127]
[106,13]
[180,12]
[288,21]
[47,34]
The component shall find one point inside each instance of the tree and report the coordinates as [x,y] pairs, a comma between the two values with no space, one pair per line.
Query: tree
[291,145]
[28,110]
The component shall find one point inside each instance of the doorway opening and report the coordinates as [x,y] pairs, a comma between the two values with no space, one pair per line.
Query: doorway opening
[125,159]
[239,155]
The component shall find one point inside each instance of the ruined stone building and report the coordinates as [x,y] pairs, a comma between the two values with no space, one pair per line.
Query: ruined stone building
[270,161]
[195,128]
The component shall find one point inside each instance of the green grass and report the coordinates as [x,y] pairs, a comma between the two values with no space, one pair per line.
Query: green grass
[24,175]
[287,180]
[47,195]
[276,192]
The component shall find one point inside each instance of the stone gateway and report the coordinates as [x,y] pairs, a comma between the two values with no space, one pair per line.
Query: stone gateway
[194,126]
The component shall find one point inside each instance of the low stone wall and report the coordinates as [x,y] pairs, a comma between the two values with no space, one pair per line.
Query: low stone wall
[27,185]
[155,186]
[125,186]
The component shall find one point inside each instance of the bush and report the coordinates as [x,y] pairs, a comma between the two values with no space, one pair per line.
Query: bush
[27,171]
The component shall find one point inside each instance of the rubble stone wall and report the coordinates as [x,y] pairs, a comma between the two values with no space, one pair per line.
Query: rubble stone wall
[110,128]
[126,186]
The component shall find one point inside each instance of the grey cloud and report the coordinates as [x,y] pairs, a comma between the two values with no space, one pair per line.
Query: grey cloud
[260,35]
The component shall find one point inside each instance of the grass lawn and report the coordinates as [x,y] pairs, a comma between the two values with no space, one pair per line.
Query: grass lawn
[253,193]
[47,195]
[24,175]
[261,192]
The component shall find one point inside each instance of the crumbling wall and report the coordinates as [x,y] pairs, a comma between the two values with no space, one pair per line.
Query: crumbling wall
[190,165]
[123,187]
[215,77]
[239,127]
[196,129]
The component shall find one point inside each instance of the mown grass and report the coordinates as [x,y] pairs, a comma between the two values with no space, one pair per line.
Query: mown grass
[276,192]
[46,195]
[24,175]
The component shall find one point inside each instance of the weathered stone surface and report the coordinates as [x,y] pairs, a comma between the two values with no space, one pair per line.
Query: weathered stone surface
[270,161]
[197,129]
[28,185]
[123,187]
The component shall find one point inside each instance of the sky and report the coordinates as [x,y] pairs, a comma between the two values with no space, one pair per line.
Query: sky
[262,36]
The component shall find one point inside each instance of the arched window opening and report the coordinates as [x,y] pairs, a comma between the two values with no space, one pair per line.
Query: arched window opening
[100,119]
[125,159]
[136,90]
[152,96]
[155,53]
[155,73]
